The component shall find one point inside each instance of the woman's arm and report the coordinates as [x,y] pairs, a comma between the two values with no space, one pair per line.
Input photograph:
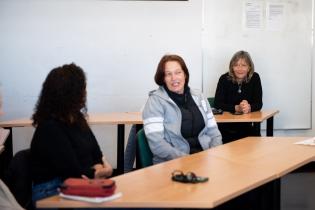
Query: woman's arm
[256,103]
[153,120]
[101,166]
[220,94]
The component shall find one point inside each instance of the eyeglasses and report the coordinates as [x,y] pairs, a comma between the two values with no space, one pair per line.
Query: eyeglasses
[189,177]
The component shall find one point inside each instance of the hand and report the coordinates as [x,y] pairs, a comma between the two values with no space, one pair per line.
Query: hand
[103,170]
[245,107]
[102,173]
[238,108]
[107,166]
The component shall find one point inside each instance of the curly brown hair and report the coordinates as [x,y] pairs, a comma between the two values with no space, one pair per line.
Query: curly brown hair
[63,97]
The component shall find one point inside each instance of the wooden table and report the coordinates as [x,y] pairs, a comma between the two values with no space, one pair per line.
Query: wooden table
[232,168]
[115,118]
[255,117]
[122,118]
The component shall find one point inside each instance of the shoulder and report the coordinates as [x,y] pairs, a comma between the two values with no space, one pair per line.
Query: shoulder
[158,94]
[224,77]
[197,95]
[48,131]
[255,77]
[195,92]
[50,125]
[255,74]
[154,100]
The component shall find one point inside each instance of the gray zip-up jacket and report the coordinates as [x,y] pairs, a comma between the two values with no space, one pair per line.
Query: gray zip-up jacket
[162,120]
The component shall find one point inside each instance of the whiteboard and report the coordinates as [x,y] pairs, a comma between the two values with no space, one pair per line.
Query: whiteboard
[117,43]
[282,55]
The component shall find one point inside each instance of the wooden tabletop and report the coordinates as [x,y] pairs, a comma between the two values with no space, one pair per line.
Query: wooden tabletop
[93,119]
[233,169]
[279,155]
[136,118]
[258,116]
[153,187]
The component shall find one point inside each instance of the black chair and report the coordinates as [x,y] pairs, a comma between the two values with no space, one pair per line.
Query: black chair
[18,178]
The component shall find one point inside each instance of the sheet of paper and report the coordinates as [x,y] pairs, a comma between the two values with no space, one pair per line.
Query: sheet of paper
[91,199]
[310,142]
[275,16]
[253,15]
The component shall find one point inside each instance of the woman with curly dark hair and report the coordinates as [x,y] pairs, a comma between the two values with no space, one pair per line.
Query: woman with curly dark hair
[63,145]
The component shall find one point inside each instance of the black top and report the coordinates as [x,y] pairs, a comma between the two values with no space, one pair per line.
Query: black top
[59,150]
[192,120]
[229,94]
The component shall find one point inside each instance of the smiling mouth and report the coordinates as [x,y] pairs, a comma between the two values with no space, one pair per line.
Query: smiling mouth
[175,84]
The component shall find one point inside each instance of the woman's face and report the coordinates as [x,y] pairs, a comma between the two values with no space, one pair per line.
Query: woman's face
[174,77]
[240,69]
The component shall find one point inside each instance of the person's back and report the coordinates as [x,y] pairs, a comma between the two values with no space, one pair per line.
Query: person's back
[63,145]
[61,150]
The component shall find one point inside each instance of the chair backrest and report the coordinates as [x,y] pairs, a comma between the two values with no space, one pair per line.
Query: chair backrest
[18,178]
[211,101]
[145,155]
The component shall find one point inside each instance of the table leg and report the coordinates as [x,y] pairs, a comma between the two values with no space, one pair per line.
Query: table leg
[120,148]
[270,197]
[138,165]
[269,130]
[277,194]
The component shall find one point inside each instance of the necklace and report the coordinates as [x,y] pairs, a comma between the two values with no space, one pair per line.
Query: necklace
[239,88]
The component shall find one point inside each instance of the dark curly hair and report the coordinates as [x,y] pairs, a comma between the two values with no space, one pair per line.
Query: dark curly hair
[63,97]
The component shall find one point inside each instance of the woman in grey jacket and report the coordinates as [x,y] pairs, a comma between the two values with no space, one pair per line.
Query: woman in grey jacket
[177,121]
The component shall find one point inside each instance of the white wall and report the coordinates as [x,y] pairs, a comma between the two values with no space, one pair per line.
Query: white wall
[118,43]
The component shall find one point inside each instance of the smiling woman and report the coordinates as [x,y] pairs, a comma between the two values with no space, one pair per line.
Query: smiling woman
[177,120]
[239,91]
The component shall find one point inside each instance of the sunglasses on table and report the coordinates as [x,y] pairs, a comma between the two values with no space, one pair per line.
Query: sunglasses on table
[188,177]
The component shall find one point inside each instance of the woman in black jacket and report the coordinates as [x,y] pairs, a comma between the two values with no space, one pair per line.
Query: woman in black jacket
[239,91]
[63,144]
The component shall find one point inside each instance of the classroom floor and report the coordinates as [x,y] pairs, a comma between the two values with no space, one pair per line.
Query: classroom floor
[298,191]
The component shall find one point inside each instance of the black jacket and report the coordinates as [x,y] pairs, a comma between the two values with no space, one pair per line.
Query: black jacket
[227,93]
[59,150]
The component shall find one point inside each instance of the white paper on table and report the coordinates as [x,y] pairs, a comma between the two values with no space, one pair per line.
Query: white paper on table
[310,142]
[91,199]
